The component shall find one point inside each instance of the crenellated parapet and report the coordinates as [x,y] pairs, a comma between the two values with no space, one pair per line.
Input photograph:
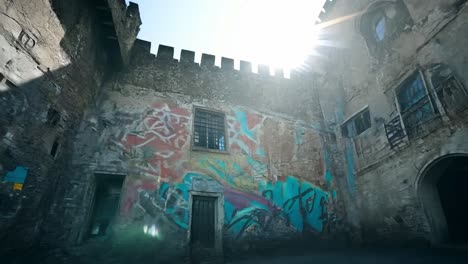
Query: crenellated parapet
[205,80]
[142,56]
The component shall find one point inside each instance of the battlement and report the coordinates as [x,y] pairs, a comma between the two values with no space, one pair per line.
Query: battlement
[165,54]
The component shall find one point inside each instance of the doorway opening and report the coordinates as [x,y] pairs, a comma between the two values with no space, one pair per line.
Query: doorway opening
[445,199]
[203,222]
[106,204]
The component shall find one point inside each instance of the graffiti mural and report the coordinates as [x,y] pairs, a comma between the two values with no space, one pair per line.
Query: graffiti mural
[261,200]
[161,136]
[304,203]
[243,130]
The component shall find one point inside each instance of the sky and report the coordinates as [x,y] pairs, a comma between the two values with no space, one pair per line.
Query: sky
[279,33]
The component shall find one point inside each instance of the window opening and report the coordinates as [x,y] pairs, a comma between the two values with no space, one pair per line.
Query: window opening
[449,90]
[357,124]
[53,117]
[209,130]
[414,101]
[54,149]
[380,28]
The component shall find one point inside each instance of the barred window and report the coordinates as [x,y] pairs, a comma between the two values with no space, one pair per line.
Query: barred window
[209,130]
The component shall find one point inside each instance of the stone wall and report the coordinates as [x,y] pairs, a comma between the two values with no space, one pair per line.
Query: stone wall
[261,91]
[50,72]
[276,175]
[365,72]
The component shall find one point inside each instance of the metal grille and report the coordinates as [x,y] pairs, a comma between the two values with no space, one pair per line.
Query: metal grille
[395,133]
[418,114]
[203,221]
[209,130]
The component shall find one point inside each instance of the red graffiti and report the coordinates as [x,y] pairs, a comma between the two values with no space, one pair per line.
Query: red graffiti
[161,137]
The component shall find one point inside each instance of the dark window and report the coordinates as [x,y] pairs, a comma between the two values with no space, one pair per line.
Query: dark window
[415,103]
[450,91]
[54,150]
[383,22]
[209,130]
[53,117]
[357,124]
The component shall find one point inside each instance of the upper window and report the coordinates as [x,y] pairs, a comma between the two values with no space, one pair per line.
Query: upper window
[209,130]
[414,101]
[383,22]
[380,29]
[357,124]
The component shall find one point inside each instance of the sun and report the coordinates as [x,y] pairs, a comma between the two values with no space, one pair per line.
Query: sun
[280,33]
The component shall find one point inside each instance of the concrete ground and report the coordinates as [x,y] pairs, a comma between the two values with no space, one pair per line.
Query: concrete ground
[337,256]
[365,256]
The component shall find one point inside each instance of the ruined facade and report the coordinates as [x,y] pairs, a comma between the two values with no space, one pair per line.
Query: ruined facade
[107,146]
[401,76]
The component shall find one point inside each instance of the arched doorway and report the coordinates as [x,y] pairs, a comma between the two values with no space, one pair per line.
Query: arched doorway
[443,190]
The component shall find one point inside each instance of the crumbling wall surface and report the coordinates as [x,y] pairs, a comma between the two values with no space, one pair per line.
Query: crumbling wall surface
[367,72]
[48,75]
[275,176]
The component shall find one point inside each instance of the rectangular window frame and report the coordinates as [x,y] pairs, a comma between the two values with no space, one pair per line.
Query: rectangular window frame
[226,139]
[352,118]
[410,129]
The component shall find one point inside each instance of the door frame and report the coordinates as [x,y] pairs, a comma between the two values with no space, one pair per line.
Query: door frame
[219,219]
[91,201]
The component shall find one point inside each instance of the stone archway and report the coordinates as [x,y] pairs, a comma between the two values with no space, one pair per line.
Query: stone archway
[442,189]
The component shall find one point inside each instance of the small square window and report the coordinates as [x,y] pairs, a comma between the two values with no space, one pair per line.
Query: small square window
[357,124]
[209,130]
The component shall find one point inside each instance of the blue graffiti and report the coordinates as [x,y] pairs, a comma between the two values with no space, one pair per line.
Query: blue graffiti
[328,174]
[175,198]
[349,154]
[303,202]
[350,165]
[242,119]
[17,176]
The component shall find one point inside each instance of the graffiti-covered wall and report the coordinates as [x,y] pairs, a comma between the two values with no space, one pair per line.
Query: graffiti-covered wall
[275,175]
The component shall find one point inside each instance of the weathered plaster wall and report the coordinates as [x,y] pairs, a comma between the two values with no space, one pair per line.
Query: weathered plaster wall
[276,176]
[381,180]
